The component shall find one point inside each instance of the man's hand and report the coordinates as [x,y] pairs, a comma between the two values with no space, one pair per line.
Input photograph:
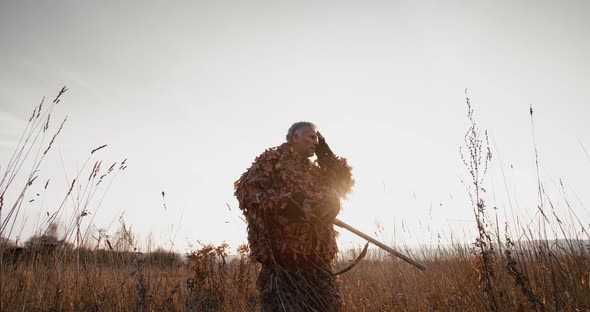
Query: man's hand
[327,208]
[323,151]
[294,209]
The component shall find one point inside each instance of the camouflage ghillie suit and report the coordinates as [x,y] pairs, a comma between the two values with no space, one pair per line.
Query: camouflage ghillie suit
[295,247]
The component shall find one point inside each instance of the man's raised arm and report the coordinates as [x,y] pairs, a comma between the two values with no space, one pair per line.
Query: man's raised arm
[335,169]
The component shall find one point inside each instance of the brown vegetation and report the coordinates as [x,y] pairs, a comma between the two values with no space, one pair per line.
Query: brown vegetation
[527,278]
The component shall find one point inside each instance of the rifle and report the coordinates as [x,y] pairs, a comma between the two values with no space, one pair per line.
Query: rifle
[392,251]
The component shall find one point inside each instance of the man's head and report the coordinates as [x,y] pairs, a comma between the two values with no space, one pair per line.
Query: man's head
[303,137]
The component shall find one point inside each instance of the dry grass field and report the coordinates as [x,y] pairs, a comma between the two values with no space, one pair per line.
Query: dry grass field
[63,272]
[60,278]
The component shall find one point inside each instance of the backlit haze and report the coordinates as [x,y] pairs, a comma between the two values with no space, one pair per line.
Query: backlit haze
[191,92]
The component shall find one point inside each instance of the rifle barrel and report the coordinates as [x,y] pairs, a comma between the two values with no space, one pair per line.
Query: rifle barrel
[392,251]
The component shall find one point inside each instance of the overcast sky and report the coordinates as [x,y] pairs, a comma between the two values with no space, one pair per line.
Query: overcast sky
[191,92]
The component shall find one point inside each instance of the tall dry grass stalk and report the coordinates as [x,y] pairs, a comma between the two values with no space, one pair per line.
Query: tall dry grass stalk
[476,159]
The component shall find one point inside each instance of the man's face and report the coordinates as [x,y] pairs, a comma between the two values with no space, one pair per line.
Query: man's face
[306,143]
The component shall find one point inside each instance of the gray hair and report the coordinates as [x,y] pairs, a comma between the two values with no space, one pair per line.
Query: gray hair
[297,128]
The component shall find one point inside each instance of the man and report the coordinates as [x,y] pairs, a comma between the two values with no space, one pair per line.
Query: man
[290,203]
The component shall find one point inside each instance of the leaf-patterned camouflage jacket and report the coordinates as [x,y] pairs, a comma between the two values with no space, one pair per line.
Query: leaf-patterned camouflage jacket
[264,191]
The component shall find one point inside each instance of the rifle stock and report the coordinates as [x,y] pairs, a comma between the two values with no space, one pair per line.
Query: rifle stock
[392,251]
